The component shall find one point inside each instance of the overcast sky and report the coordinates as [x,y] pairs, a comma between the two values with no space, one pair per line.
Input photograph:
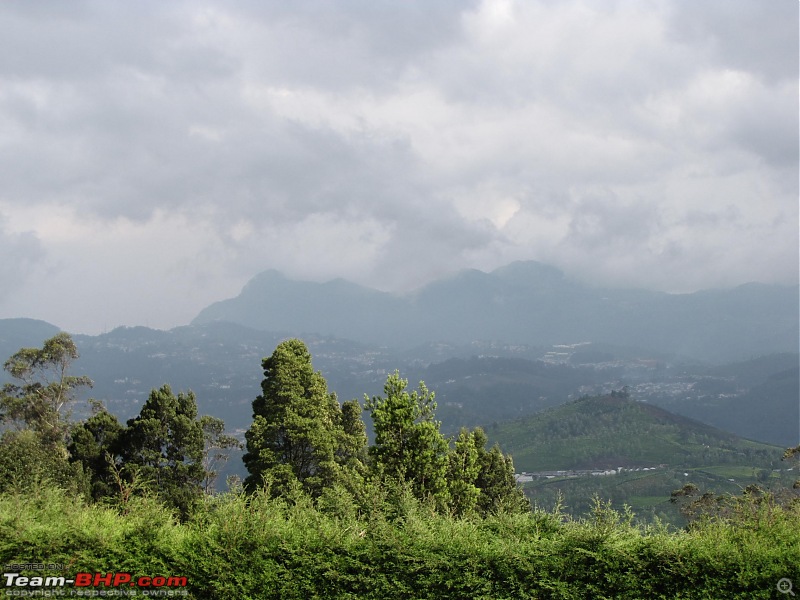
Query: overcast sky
[156,155]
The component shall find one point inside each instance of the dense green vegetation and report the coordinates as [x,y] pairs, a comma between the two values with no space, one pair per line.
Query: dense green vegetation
[248,547]
[301,438]
[323,514]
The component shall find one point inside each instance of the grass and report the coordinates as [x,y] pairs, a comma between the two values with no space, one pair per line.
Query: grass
[730,471]
[646,501]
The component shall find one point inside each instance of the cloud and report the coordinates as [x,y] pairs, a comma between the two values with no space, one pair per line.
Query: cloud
[22,257]
[740,35]
[635,143]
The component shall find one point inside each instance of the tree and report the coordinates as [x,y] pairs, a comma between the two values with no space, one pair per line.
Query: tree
[40,400]
[352,449]
[409,449]
[26,463]
[499,490]
[481,480]
[95,444]
[296,426]
[216,444]
[462,473]
[165,444]
[36,407]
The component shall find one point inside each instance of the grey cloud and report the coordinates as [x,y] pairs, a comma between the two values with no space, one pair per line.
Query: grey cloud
[768,126]
[361,43]
[742,34]
[81,42]
[246,119]
[22,253]
[608,222]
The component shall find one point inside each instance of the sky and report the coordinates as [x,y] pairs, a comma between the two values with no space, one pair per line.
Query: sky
[154,156]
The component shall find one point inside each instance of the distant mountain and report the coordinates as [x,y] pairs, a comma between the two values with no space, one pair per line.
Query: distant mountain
[271,302]
[606,432]
[757,399]
[524,303]
[23,333]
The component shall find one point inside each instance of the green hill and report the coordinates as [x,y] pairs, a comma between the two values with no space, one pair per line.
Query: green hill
[610,431]
[564,448]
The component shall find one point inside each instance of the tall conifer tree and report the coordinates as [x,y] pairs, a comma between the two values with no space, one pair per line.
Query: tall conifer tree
[296,426]
[409,449]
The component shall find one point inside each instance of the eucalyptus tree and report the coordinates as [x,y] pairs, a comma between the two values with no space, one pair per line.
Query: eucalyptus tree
[43,390]
[216,449]
[34,411]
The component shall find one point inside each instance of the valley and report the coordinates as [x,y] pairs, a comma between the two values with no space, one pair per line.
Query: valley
[718,414]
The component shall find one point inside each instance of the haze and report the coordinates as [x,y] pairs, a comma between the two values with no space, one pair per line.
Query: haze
[156,156]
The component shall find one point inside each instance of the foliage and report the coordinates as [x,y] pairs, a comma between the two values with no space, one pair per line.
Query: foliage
[165,441]
[27,464]
[259,546]
[95,444]
[499,489]
[216,444]
[45,388]
[462,473]
[408,445]
[296,429]
[36,407]
[40,400]
[409,517]
[482,480]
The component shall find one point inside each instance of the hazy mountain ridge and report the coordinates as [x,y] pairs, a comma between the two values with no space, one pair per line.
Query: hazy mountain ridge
[494,346]
[524,303]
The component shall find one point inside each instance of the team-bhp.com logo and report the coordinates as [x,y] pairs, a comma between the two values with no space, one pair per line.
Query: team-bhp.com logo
[118,582]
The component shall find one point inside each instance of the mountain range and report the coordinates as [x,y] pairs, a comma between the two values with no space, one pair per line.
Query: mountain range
[493,346]
[524,303]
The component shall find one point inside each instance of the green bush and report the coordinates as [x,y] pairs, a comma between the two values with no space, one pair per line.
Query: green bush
[238,546]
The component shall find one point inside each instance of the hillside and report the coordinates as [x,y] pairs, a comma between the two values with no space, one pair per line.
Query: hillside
[610,431]
[632,454]
[19,333]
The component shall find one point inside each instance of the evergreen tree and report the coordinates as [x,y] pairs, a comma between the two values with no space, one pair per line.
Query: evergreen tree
[462,473]
[296,426]
[165,443]
[95,445]
[409,449]
[499,491]
[353,437]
